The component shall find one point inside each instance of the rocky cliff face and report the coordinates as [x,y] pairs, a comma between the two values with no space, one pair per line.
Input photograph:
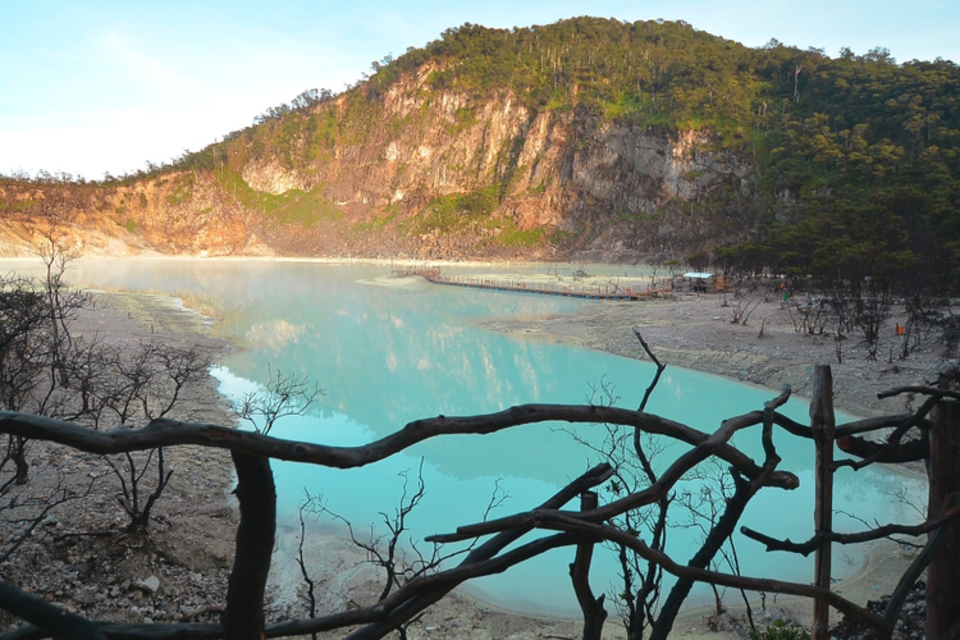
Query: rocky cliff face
[180,213]
[413,171]
[391,166]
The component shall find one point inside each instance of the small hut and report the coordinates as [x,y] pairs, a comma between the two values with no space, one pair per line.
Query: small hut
[698,282]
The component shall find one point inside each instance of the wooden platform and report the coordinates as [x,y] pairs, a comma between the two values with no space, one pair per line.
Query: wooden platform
[599,292]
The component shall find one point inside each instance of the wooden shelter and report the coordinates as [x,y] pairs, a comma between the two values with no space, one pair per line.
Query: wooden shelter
[702,282]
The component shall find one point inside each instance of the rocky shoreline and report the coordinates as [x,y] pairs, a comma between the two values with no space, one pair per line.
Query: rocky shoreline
[695,331]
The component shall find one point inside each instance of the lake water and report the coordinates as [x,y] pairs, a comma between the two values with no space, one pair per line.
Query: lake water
[386,355]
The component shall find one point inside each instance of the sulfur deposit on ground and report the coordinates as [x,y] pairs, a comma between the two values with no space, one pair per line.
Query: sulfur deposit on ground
[179,572]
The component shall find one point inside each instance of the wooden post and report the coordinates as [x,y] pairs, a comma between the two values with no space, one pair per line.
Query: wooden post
[943,574]
[593,612]
[823,423]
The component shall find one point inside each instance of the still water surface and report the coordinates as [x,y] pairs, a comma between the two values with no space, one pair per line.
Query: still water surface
[388,354]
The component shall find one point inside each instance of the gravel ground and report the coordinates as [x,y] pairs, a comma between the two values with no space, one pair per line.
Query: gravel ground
[79,557]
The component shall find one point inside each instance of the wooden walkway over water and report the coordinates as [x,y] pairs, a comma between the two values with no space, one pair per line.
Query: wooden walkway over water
[654,289]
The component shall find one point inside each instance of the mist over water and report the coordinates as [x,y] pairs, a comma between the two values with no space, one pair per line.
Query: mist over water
[387,354]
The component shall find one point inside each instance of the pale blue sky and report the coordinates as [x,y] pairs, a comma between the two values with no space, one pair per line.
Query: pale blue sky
[89,87]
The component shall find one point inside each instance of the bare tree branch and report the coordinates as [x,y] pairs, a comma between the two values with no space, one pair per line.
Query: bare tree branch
[654,492]
[656,376]
[403,600]
[923,390]
[593,477]
[46,616]
[166,432]
[910,577]
[815,542]
[727,523]
[560,521]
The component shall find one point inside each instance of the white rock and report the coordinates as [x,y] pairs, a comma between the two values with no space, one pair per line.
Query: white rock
[149,585]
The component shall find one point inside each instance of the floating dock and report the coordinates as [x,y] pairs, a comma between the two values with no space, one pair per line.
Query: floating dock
[597,292]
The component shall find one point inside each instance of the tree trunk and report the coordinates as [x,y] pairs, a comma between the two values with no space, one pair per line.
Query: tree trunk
[593,612]
[943,578]
[243,619]
[20,459]
[823,424]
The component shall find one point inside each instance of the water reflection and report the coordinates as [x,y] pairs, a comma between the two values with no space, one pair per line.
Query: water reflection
[387,355]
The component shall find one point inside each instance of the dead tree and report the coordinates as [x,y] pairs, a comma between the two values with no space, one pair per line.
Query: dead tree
[872,308]
[631,460]
[23,320]
[401,560]
[631,455]
[145,384]
[47,370]
[285,395]
[704,508]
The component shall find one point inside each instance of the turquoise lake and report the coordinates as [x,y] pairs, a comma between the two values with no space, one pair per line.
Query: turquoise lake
[387,354]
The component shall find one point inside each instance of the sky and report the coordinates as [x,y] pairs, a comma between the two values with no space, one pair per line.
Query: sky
[96,87]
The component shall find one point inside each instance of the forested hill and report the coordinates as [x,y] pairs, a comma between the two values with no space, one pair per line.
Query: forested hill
[588,137]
